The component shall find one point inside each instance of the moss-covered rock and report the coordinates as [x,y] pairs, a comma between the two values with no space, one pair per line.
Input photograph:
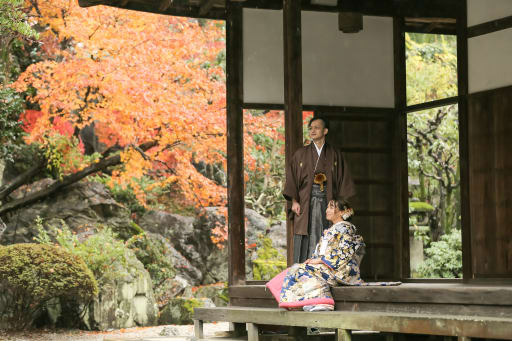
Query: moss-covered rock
[420,206]
[126,301]
[31,275]
[269,262]
[181,310]
[217,293]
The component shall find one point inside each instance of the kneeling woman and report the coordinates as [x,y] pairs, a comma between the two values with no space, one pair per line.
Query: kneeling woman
[335,261]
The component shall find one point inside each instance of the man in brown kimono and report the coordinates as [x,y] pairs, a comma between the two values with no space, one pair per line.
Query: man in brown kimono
[317,174]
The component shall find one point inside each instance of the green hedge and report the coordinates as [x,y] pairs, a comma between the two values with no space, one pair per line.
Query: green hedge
[31,275]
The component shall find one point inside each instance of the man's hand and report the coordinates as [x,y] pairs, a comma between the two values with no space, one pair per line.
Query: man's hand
[295,207]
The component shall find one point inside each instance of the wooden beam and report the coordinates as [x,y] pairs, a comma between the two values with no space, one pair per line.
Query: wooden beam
[400,171]
[432,104]
[409,323]
[386,8]
[158,8]
[462,84]
[264,106]
[326,109]
[450,292]
[292,92]
[489,27]
[206,6]
[235,156]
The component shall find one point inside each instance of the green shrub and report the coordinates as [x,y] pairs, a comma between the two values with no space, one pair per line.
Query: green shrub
[444,257]
[33,274]
[102,251]
[153,254]
[11,106]
[269,261]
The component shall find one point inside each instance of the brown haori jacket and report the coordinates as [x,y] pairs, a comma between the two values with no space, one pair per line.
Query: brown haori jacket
[300,175]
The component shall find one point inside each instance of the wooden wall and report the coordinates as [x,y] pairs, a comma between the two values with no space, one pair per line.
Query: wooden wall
[365,140]
[490,185]
[489,138]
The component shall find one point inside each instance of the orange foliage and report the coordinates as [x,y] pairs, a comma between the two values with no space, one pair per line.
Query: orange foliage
[139,77]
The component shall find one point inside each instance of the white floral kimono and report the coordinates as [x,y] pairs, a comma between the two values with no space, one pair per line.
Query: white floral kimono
[341,250]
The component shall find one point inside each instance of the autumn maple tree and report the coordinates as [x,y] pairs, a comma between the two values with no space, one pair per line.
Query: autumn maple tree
[132,78]
[139,95]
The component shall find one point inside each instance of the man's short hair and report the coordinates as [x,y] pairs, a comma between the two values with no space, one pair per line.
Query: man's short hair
[323,119]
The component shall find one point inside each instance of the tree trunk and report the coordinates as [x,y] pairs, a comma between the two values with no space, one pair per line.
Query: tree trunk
[67,180]
[3,227]
[449,211]
[436,227]
[20,180]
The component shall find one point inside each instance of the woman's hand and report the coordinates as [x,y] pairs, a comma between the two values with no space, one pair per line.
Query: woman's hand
[314,261]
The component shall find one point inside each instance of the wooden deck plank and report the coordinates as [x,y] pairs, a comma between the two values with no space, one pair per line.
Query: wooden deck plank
[448,325]
[425,308]
[449,293]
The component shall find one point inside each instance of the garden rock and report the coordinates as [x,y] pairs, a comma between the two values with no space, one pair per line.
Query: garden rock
[81,206]
[277,234]
[217,293]
[181,310]
[182,265]
[191,237]
[124,303]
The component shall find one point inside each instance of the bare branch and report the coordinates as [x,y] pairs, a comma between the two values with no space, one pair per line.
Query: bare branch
[20,180]
[68,180]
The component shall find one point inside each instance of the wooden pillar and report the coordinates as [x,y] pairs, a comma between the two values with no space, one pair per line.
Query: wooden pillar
[462,84]
[292,92]
[198,329]
[234,89]
[343,335]
[252,332]
[238,329]
[400,171]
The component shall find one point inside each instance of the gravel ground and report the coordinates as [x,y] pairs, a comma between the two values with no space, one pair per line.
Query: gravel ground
[163,333]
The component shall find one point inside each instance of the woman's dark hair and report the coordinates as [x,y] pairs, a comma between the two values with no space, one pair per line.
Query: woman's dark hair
[323,119]
[344,205]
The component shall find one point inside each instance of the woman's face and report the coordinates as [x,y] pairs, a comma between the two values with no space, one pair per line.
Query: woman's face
[332,211]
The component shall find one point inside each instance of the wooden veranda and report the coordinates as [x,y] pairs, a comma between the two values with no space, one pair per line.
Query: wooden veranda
[289,55]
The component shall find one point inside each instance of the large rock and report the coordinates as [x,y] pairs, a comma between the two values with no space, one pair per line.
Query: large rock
[81,206]
[126,302]
[181,310]
[191,238]
[277,234]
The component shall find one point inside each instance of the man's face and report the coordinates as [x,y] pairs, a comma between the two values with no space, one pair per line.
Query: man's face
[317,130]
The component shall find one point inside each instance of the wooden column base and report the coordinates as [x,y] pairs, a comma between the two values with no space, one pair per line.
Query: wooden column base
[343,335]
[198,329]
[237,329]
[252,332]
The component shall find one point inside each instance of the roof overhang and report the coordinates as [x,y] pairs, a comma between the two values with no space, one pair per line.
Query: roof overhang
[428,16]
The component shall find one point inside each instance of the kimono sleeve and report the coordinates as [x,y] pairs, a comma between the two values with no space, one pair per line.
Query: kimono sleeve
[339,252]
[291,186]
[344,182]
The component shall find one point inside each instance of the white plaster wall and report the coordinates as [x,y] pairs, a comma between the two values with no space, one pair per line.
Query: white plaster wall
[480,11]
[263,56]
[337,68]
[490,61]
[347,69]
